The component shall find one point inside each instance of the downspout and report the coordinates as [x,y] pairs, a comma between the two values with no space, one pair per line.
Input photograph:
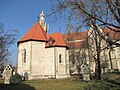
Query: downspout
[55,61]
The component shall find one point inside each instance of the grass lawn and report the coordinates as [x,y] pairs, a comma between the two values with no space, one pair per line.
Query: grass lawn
[66,84]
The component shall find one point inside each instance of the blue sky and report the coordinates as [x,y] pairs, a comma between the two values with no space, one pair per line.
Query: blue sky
[21,15]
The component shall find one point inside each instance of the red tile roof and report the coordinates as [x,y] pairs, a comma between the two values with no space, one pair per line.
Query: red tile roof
[79,39]
[80,44]
[35,33]
[76,40]
[76,36]
[58,39]
[38,33]
[112,33]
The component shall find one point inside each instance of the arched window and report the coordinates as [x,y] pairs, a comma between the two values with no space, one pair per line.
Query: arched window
[24,56]
[60,58]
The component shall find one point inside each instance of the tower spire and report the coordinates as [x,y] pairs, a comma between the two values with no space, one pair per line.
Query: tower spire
[42,14]
[42,21]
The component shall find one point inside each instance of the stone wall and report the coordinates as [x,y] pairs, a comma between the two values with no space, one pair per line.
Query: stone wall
[62,68]
[38,59]
[24,66]
[42,62]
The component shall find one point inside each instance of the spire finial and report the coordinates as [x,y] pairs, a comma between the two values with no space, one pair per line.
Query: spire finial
[42,17]
[42,21]
[42,14]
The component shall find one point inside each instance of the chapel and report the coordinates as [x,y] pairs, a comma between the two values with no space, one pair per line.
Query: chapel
[43,55]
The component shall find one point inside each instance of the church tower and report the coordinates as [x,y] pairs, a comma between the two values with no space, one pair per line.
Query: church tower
[42,55]
[42,22]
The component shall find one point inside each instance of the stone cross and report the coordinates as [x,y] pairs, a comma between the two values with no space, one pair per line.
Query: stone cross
[7,73]
[85,70]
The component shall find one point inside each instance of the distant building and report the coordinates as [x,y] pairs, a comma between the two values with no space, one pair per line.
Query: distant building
[82,49]
[109,54]
[78,51]
[43,55]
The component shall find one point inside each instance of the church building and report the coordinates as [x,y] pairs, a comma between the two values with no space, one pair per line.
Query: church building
[43,55]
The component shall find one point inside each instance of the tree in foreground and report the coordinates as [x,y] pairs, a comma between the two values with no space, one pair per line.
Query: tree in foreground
[7,38]
[95,13]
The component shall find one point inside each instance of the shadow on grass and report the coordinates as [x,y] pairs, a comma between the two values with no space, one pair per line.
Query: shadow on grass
[16,87]
[115,82]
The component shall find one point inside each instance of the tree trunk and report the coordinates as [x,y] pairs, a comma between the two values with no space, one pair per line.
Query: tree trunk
[98,42]
[98,64]
[109,54]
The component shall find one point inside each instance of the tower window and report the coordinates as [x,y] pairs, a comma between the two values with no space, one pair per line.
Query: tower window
[60,58]
[24,56]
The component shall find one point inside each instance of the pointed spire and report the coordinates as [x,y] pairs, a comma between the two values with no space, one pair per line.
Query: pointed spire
[42,14]
[42,21]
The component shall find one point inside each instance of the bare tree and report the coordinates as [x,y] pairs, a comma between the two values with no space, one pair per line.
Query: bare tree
[97,42]
[98,13]
[81,12]
[7,38]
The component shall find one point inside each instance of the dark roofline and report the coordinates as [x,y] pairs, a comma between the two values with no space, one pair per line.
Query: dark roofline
[30,40]
[56,46]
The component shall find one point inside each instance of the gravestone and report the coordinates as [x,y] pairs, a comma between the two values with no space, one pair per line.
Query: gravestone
[7,73]
[25,76]
[85,70]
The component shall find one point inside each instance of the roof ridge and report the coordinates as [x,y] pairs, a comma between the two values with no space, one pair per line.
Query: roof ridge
[34,31]
[43,31]
[57,37]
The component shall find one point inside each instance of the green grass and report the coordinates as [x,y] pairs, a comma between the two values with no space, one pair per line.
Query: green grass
[73,83]
[52,84]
